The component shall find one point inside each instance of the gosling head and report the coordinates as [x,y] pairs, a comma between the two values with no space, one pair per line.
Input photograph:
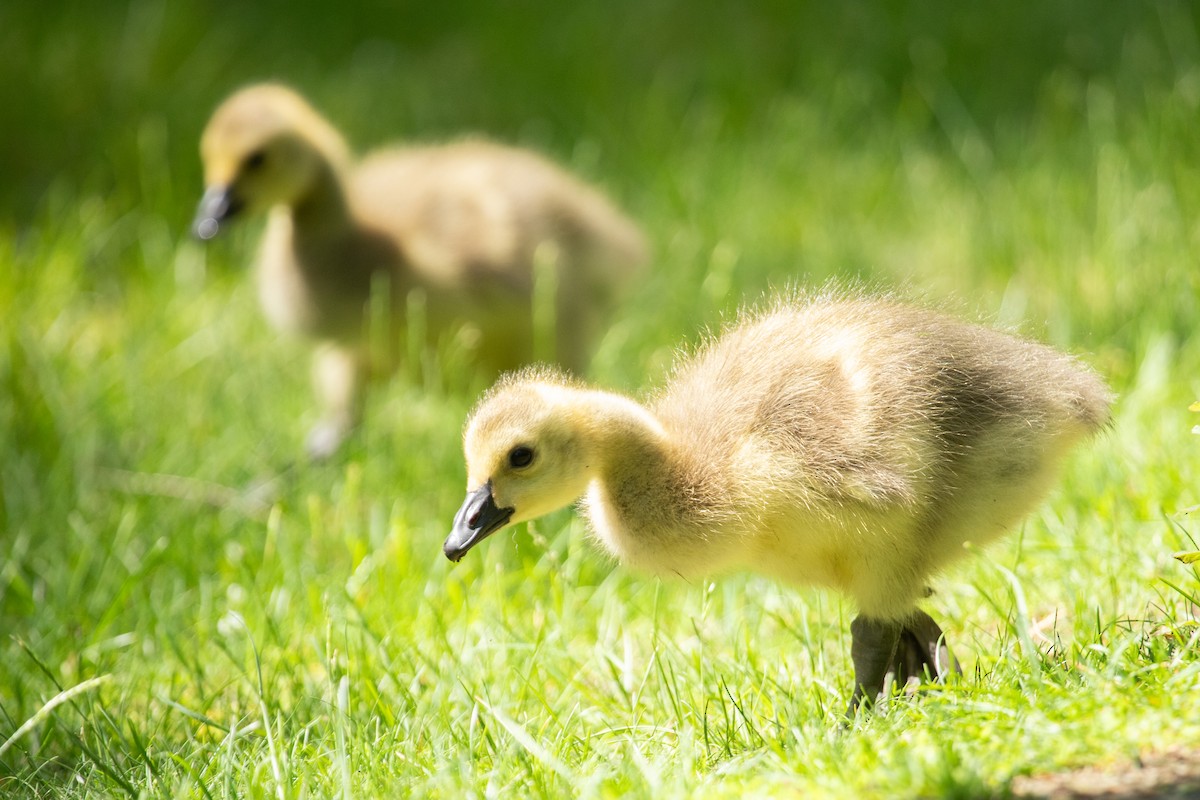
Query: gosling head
[264,146]
[527,455]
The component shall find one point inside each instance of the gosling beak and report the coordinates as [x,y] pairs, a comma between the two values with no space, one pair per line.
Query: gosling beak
[218,204]
[478,519]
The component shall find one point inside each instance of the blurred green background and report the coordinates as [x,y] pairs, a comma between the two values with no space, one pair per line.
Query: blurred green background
[104,102]
[1035,165]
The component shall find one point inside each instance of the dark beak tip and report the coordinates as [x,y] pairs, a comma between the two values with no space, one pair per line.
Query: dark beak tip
[478,519]
[454,554]
[206,228]
[218,204]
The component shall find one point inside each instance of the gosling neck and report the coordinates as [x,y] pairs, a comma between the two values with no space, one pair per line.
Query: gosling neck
[324,209]
[619,427]
[647,497]
[635,458]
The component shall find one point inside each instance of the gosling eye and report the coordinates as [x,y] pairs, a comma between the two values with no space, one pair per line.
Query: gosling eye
[520,456]
[254,161]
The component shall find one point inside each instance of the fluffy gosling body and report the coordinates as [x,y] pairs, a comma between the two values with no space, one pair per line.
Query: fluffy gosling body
[841,441]
[462,228]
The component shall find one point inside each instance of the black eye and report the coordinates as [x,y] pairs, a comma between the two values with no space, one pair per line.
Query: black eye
[255,160]
[520,456]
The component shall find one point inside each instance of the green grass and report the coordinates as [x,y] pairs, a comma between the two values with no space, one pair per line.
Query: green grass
[1039,169]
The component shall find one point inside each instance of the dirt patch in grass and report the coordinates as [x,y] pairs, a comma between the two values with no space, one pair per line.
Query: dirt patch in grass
[1171,774]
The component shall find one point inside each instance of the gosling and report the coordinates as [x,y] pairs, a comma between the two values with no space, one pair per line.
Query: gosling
[838,441]
[461,228]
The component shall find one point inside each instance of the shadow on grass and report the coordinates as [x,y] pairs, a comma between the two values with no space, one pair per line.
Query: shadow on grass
[1172,773]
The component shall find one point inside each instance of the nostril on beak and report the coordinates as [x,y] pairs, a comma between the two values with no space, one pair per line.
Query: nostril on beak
[477,519]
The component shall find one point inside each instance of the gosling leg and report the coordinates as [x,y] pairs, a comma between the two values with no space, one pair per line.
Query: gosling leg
[922,653]
[337,379]
[873,644]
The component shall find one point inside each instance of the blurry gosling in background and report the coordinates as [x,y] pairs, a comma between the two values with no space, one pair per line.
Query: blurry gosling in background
[461,227]
[841,441]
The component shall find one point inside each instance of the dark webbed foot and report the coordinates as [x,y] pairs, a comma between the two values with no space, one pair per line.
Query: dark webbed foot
[905,652]
[873,646]
[922,653]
